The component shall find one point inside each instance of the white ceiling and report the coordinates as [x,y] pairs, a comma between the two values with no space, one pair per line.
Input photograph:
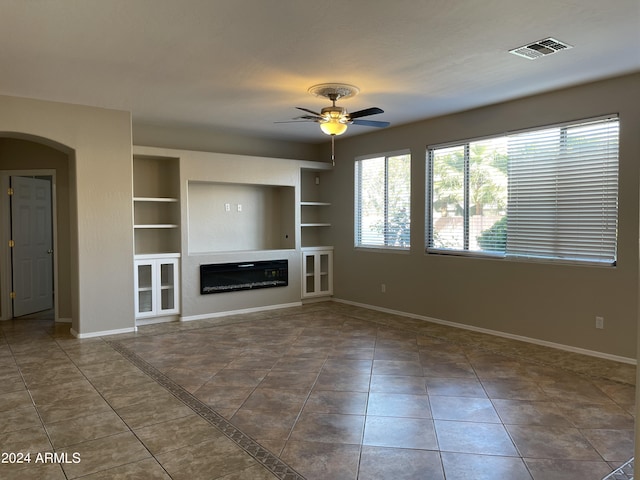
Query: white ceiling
[240,65]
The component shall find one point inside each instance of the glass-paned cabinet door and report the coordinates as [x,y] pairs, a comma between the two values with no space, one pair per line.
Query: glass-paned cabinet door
[325,266]
[168,273]
[145,273]
[309,277]
[317,274]
[157,292]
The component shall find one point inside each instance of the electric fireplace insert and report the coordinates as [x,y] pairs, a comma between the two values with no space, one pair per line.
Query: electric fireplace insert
[230,277]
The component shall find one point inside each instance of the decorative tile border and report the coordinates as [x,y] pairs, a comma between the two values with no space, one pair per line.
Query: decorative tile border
[625,472]
[263,456]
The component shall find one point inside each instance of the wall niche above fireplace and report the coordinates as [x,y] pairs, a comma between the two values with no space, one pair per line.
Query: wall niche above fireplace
[228,217]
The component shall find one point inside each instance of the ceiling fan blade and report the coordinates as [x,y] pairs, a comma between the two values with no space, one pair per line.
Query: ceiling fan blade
[309,111]
[302,119]
[371,123]
[309,117]
[296,121]
[366,112]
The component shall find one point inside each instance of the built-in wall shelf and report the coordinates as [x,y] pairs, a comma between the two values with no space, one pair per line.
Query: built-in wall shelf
[156,225]
[155,199]
[155,212]
[154,256]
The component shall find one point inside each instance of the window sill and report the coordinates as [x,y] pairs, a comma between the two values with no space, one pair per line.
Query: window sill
[396,250]
[521,259]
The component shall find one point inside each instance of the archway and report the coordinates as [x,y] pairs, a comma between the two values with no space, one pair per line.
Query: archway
[27,155]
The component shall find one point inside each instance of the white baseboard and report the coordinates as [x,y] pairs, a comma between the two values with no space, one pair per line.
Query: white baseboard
[205,316]
[63,320]
[155,320]
[306,301]
[103,333]
[497,333]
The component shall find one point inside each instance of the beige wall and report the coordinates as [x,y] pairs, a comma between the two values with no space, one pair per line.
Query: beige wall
[255,220]
[101,237]
[221,142]
[21,155]
[554,303]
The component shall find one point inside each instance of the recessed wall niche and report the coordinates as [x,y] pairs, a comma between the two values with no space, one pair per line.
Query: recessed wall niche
[228,217]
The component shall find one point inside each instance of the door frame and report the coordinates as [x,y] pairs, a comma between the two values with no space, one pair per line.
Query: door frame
[6,304]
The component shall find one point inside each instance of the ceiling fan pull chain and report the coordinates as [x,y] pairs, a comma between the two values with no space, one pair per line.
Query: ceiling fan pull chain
[333,151]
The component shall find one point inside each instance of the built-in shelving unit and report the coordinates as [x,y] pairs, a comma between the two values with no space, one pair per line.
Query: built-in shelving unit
[317,254]
[156,205]
[156,216]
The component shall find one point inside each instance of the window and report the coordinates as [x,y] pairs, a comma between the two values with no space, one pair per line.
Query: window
[383,207]
[549,193]
[469,195]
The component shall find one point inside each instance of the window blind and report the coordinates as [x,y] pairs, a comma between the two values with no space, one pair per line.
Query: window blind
[563,192]
[383,191]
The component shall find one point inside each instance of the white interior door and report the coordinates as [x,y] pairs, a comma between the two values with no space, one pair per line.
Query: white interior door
[32,254]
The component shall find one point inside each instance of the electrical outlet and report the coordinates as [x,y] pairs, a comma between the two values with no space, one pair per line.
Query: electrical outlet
[227,207]
[239,207]
[383,288]
[599,322]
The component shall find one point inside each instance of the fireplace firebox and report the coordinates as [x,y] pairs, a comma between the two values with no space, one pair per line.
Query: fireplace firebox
[230,277]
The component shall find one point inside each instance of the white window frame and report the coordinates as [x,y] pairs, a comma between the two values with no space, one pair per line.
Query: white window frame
[358,243]
[513,254]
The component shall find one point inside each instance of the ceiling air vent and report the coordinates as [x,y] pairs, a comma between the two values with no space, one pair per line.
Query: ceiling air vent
[541,48]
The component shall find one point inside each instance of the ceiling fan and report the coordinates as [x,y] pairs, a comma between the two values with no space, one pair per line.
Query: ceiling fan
[334,120]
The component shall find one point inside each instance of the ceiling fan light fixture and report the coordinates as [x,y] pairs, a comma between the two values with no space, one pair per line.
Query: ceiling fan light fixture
[333,127]
[334,120]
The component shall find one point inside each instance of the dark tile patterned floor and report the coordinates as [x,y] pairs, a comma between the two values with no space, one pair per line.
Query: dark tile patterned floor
[323,391]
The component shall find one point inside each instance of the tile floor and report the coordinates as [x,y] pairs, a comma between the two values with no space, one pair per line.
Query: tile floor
[323,391]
